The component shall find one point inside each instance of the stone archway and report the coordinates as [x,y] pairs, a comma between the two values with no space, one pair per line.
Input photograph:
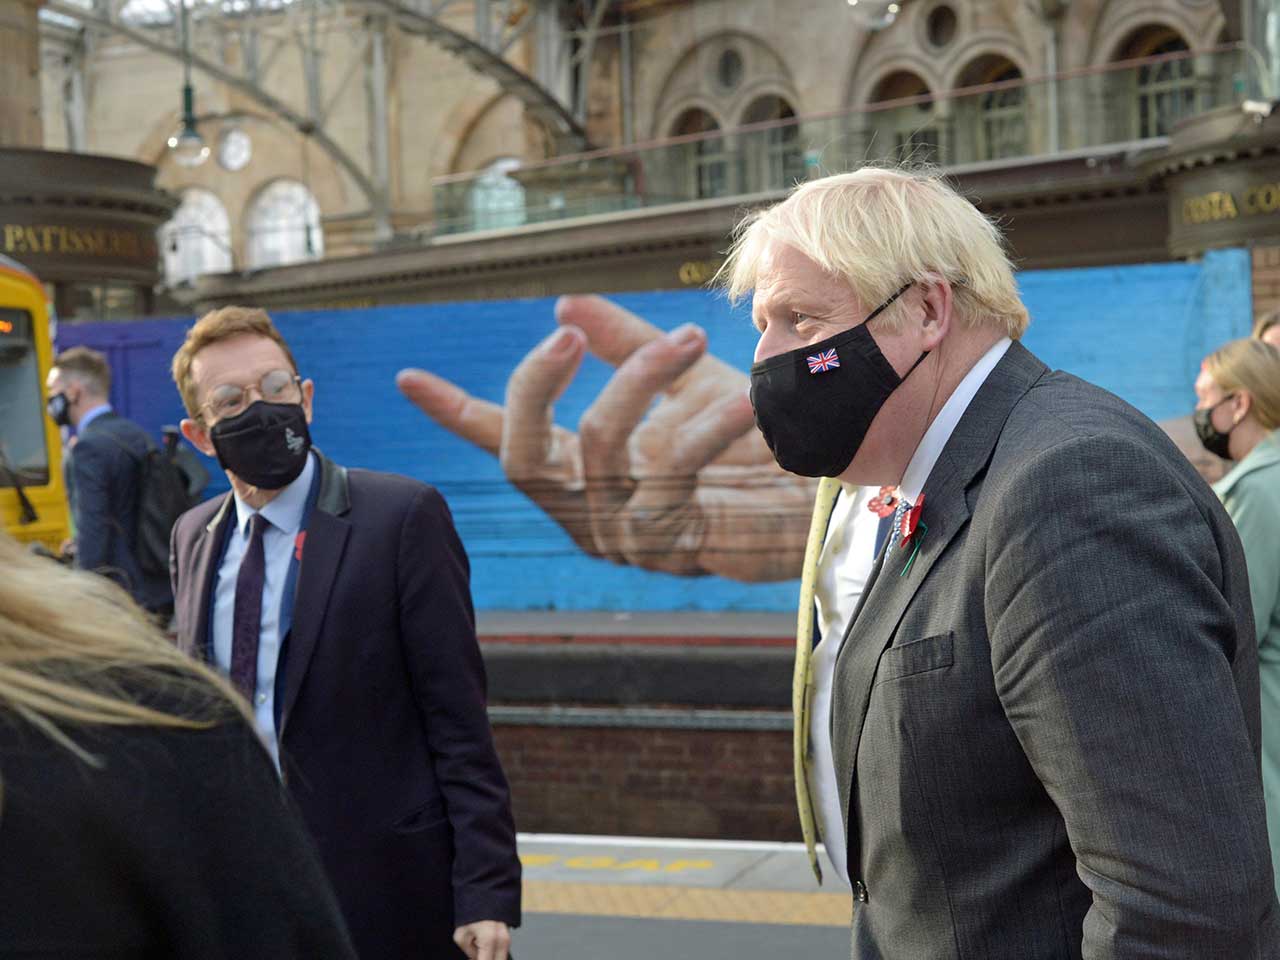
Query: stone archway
[994,121]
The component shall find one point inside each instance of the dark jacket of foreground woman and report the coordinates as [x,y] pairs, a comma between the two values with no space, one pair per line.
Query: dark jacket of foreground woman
[181,845]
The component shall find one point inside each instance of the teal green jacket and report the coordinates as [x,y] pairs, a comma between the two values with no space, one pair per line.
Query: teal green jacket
[1251,494]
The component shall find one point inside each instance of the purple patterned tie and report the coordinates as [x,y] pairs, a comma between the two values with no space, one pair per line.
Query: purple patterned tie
[246,622]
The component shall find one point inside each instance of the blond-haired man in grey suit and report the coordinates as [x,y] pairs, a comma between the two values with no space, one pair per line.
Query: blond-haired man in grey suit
[1044,733]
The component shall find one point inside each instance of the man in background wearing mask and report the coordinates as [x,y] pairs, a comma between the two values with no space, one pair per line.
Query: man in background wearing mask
[338,602]
[102,474]
[1045,709]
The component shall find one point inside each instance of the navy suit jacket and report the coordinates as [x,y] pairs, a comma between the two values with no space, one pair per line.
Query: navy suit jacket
[103,470]
[385,742]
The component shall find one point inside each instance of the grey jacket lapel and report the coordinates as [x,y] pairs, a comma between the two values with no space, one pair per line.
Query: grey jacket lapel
[871,630]
[949,495]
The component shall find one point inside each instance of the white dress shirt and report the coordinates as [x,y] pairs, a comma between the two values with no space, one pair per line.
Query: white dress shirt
[284,520]
[848,554]
[944,424]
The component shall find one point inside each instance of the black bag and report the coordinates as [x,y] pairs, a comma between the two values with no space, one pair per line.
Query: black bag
[164,494]
[162,499]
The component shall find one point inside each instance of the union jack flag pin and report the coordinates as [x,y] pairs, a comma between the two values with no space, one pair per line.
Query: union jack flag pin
[822,362]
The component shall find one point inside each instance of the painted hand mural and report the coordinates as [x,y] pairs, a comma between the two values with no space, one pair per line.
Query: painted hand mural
[666,470]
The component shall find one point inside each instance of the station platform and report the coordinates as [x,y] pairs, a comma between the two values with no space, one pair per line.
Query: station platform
[628,898]
[696,628]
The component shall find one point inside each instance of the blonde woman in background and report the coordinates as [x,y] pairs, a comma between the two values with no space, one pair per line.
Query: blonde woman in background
[1238,417]
[140,817]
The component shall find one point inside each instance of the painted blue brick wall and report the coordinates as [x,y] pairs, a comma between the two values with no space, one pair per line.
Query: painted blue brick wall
[1139,331]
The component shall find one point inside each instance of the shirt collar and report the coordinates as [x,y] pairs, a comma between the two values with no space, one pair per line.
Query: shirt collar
[939,432]
[856,491]
[92,415]
[285,511]
[1265,454]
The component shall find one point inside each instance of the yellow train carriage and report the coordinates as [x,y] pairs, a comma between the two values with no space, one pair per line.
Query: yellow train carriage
[33,502]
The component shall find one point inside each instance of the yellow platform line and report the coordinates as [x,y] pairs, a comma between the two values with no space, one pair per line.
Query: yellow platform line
[687,903]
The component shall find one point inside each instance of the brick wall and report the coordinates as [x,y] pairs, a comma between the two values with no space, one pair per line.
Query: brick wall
[651,782]
[1266,280]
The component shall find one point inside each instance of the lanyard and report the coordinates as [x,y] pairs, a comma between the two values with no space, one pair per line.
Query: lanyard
[295,561]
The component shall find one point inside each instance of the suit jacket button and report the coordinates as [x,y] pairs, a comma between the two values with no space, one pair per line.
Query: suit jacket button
[859,891]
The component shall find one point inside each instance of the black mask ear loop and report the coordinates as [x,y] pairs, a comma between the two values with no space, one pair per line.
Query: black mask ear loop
[884,306]
[919,361]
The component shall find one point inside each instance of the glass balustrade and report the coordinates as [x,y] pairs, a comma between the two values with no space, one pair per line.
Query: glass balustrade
[1127,102]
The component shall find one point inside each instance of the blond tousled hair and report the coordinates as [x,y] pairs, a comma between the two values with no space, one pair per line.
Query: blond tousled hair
[214,327]
[880,228]
[1254,367]
[76,651]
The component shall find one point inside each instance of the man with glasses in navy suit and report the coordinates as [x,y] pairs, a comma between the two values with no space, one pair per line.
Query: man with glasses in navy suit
[338,601]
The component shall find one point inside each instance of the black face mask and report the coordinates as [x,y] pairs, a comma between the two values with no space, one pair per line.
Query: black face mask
[1213,439]
[266,445]
[814,405]
[59,409]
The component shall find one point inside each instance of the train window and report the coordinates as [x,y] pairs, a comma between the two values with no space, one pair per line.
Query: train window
[22,436]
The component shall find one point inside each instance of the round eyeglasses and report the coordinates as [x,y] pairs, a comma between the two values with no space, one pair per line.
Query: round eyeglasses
[276,386]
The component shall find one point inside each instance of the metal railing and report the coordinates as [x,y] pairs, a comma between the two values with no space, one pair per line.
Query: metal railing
[1123,102]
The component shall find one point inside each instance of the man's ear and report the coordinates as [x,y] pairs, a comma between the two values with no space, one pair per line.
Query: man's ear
[308,393]
[198,436]
[937,304]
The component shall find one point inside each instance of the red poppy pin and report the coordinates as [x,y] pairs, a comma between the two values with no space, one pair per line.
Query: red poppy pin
[907,527]
[910,520]
[883,503]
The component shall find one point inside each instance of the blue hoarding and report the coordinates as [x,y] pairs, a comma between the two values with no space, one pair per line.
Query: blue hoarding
[1139,331]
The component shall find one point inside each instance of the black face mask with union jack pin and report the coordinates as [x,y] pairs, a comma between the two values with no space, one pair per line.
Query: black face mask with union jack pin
[814,405]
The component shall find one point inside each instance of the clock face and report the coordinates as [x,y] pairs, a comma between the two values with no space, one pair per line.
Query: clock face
[234,149]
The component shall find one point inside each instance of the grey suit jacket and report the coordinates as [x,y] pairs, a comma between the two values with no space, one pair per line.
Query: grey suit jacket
[1046,732]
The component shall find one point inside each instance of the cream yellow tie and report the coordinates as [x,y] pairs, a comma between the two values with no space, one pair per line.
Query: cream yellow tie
[802,682]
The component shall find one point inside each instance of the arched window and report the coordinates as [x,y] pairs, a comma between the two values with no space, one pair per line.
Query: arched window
[906,131]
[1004,117]
[773,153]
[1160,93]
[992,124]
[283,225]
[198,238]
[706,160]
[497,198]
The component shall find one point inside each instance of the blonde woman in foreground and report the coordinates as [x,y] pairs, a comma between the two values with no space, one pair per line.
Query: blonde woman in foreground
[140,816]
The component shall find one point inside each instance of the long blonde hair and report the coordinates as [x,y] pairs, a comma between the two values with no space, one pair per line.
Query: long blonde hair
[1265,323]
[76,651]
[1252,366]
